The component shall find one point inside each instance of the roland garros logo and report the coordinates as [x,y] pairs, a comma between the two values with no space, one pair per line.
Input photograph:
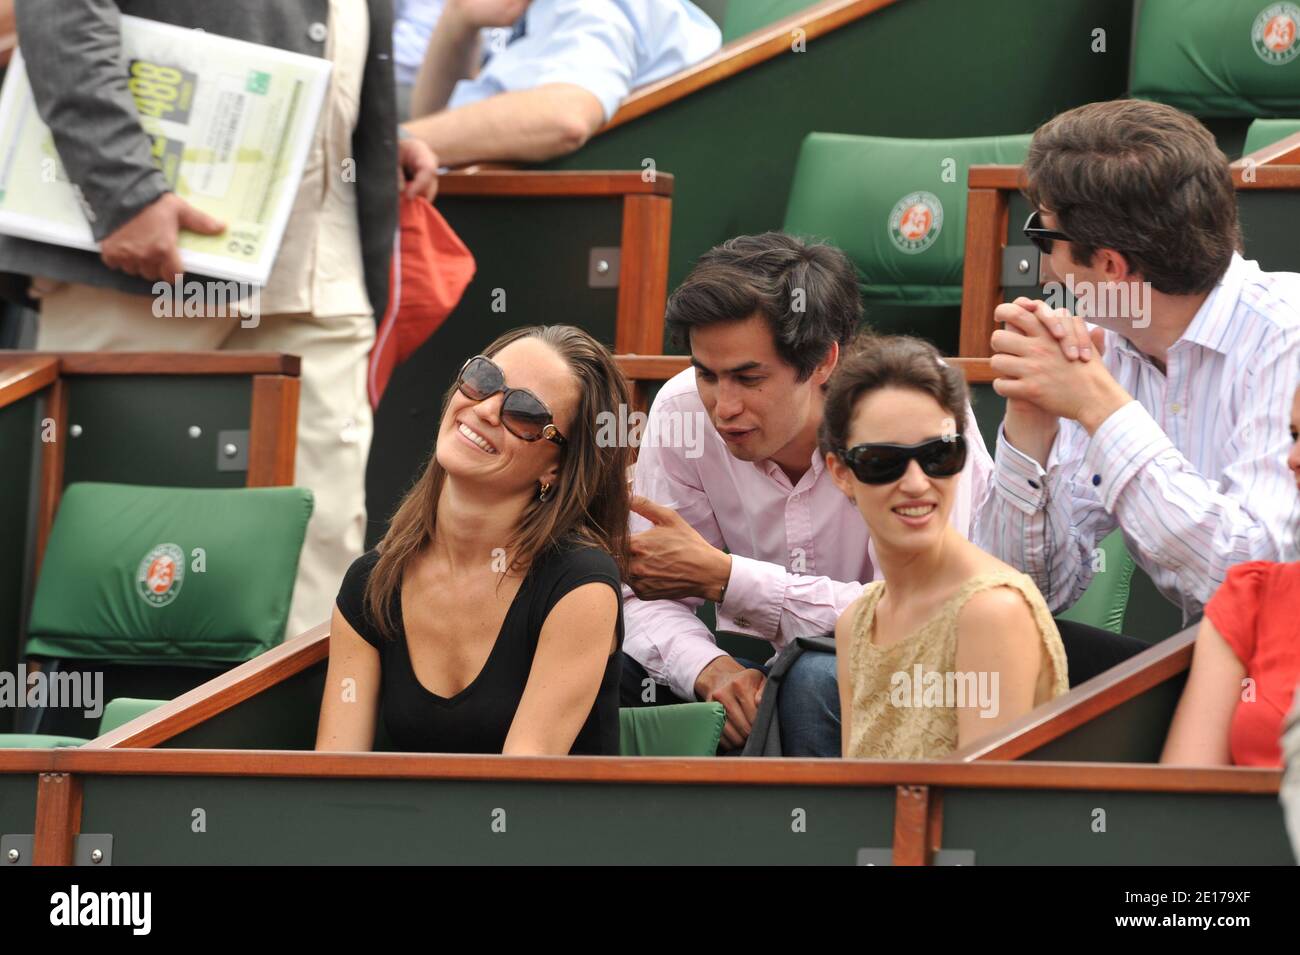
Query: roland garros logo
[1274,33]
[915,222]
[161,573]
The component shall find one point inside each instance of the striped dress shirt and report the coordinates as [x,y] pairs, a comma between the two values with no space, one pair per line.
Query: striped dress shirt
[1193,470]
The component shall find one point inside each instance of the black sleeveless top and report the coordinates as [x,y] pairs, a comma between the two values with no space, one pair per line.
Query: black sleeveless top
[477,719]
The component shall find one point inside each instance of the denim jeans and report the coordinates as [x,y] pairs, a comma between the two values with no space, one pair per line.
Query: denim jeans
[809,707]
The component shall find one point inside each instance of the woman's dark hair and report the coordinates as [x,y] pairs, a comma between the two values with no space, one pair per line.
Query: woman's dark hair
[1144,179]
[888,361]
[807,292]
[590,500]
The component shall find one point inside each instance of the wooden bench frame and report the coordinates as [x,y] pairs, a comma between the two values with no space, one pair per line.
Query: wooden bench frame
[647,227]
[273,420]
[988,191]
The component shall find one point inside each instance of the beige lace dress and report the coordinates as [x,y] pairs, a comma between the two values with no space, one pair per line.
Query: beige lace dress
[904,696]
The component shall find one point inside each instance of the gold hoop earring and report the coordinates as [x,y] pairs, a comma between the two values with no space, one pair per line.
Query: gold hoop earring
[544,494]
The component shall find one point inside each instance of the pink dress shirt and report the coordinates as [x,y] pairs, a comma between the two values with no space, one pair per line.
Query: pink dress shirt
[800,554]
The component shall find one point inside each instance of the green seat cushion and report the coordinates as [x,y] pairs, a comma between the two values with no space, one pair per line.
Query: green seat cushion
[897,207]
[37,741]
[190,576]
[681,729]
[1105,601]
[1266,132]
[123,710]
[745,16]
[1218,57]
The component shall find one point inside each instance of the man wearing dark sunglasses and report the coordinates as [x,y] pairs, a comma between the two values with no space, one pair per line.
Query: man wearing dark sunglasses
[754,521]
[1177,432]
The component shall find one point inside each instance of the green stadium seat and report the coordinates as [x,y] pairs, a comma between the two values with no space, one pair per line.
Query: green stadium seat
[1105,601]
[165,585]
[897,207]
[683,729]
[1218,58]
[1266,132]
[123,710]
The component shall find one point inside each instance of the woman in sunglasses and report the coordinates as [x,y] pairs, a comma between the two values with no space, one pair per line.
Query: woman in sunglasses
[488,618]
[952,643]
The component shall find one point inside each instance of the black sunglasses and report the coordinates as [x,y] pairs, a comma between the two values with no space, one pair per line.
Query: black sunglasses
[886,463]
[1042,238]
[522,412]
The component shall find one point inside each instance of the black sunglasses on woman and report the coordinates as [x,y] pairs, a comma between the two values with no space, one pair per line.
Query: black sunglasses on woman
[522,412]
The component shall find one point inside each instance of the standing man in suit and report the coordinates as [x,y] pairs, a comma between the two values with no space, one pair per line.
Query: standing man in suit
[330,278]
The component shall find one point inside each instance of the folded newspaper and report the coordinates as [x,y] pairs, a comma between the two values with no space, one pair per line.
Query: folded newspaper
[230,122]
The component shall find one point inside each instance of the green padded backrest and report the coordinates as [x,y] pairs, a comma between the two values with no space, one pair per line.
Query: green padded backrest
[897,207]
[682,729]
[1218,57]
[38,741]
[123,710]
[168,575]
[1266,132]
[745,16]
[1105,601]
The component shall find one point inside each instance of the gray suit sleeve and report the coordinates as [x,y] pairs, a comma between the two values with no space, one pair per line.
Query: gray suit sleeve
[73,50]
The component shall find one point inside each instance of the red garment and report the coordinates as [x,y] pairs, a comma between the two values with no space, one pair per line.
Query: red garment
[431,268]
[1258,612]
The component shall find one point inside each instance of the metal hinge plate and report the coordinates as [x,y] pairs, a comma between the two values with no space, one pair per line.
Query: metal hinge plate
[16,850]
[90,843]
[603,267]
[1020,267]
[941,857]
[232,450]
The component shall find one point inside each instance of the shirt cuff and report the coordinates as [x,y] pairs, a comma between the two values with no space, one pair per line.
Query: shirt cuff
[755,595]
[689,657]
[1124,443]
[1019,478]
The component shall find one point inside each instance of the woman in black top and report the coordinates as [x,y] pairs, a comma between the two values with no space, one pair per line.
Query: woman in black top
[489,619]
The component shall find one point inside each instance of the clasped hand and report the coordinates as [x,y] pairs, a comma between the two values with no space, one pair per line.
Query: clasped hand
[1044,357]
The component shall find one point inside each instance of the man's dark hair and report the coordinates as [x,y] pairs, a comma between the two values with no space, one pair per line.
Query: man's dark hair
[1144,179]
[806,292]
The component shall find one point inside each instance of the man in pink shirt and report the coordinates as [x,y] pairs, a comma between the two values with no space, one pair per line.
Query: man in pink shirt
[737,505]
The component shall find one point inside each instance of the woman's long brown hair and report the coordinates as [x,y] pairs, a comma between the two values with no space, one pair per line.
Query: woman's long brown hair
[589,500]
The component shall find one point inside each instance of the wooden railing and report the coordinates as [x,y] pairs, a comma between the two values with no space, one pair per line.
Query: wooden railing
[1087,701]
[647,227]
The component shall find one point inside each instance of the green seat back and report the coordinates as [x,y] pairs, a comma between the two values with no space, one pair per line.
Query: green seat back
[1218,57]
[682,729]
[188,576]
[38,741]
[897,207]
[1104,602]
[1266,132]
[123,710]
[743,17]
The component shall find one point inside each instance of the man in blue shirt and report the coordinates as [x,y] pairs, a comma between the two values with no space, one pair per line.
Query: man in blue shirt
[551,75]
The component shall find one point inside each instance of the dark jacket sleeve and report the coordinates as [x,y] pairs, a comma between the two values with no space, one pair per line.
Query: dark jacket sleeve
[73,51]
